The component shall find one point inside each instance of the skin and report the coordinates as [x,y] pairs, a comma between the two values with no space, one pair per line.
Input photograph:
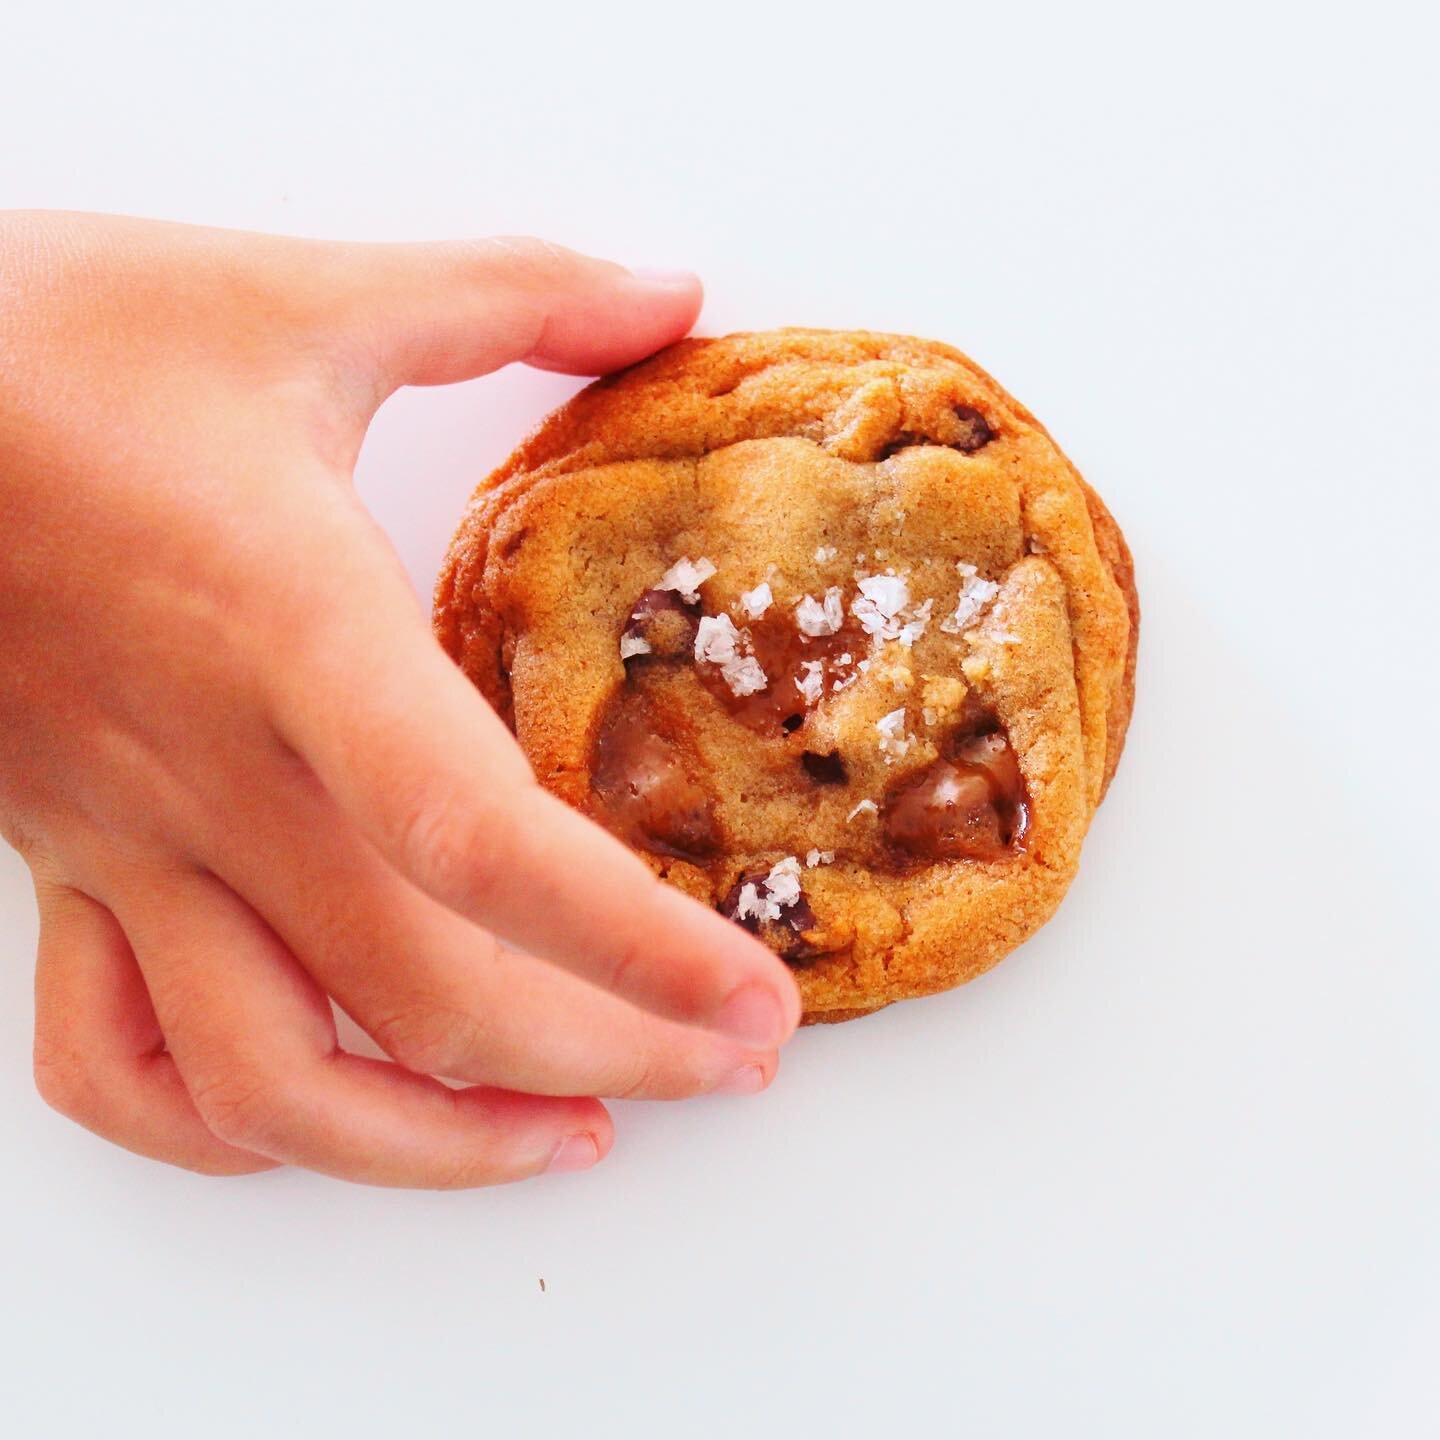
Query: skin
[243,775]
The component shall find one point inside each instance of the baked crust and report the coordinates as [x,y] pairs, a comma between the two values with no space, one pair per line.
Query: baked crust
[815,457]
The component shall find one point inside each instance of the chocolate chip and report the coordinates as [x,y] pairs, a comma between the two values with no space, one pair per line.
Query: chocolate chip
[825,769]
[785,935]
[791,723]
[649,791]
[665,622]
[975,431]
[969,807]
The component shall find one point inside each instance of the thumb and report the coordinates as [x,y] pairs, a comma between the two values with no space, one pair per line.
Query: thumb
[432,314]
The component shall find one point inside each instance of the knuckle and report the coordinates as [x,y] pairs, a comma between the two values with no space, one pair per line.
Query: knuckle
[646,1079]
[471,1172]
[646,1068]
[64,1085]
[431,1039]
[245,1109]
[626,969]
[446,850]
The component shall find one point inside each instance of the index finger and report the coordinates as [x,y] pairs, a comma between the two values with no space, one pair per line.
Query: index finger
[425,768]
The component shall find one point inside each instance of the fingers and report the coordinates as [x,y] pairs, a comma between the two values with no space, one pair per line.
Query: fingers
[254,1040]
[436,992]
[436,313]
[99,1052]
[427,771]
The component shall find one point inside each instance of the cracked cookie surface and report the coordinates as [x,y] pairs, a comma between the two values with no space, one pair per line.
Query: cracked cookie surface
[826,627]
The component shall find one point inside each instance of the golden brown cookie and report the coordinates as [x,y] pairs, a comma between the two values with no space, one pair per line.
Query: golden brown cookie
[828,629]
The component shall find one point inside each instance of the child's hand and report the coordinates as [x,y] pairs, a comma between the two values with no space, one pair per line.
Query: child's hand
[245,777]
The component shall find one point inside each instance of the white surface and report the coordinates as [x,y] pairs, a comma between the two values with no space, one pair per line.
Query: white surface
[1170,1171]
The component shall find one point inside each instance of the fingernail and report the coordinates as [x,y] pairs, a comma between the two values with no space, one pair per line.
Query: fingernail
[666,279]
[752,1015]
[747,1080]
[578,1152]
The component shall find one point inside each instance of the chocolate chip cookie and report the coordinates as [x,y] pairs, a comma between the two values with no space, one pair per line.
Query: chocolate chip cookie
[825,626]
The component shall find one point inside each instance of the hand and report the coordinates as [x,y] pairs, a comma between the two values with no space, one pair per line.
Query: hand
[245,777]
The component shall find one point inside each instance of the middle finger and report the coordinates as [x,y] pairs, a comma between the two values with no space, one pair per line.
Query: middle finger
[436,992]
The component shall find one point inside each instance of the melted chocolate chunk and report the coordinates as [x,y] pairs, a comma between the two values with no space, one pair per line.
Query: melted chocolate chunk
[667,625]
[647,791]
[824,769]
[783,653]
[786,934]
[665,622]
[970,806]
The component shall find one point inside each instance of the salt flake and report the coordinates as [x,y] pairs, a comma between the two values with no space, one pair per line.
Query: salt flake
[893,740]
[748,905]
[719,643]
[686,576]
[914,628]
[975,595]
[882,598]
[745,676]
[812,681]
[757,601]
[815,617]
[716,639]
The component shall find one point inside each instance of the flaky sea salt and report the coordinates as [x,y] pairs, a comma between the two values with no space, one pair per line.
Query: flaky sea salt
[716,639]
[686,576]
[865,807]
[819,857]
[748,905]
[817,617]
[914,628]
[719,643]
[893,740]
[824,554]
[745,676]
[633,645]
[767,898]
[783,883]
[757,601]
[811,683]
[878,606]
[975,595]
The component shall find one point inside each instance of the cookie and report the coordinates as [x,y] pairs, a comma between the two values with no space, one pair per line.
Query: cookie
[823,625]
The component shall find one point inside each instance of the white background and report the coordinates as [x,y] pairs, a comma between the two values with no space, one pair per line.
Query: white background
[1172,1170]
